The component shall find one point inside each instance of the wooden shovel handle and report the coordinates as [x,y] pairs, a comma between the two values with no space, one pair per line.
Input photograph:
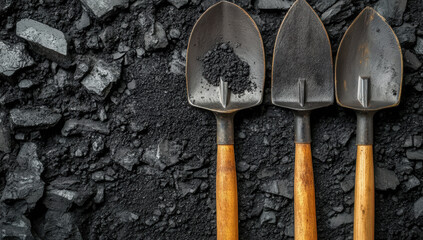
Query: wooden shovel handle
[364,203]
[226,194]
[304,203]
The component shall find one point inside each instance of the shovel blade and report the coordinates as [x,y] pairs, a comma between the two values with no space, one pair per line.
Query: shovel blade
[369,67]
[221,23]
[302,72]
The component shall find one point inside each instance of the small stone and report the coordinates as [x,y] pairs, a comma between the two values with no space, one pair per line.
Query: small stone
[411,183]
[411,60]
[417,141]
[406,34]
[83,22]
[127,158]
[178,3]
[177,65]
[74,126]
[385,179]
[278,187]
[274,4]
[13,58]
[45,40]
[174,33]
[419,46]
[321,6]
[101,78]
[132,85]
[267,217]
[25,84]
[109,37]
[81,70]
[126,216]
[392,10]
[190,187]
[155,38]
[340,219]
[102,8]
[140,52]
[37,117]
[99,196]
[98,176]
[408,142]
[289,230]
[418,208]
[63,79]
[415,154]
[348,183]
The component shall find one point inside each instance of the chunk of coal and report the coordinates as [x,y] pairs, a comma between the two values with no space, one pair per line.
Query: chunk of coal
[23,185]
[419,46]
[278,187]
[274,4]
[5,135]
[222,63]
[37,117]
[74,126]
[411,183]
[165,154]
[340,219]
[58,199]
[330,13]
[44,39]
[127,158]
[28,158]
[101,78]
[13,58]
[392,10]
[418,208]
[321,6]
[406,34]
[5,5]
[13,224]
[411,61]
[415,154]
[177,65]
[83,22]
[385,179]
[348,183]
[59,225]
[155,37]
[267,217]
[101,8]
[178,3]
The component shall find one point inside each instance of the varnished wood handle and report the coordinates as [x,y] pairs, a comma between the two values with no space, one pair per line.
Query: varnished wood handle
[304,203]
[364,203]
[226,194]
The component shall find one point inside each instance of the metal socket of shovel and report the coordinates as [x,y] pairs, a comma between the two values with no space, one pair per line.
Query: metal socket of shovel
[368,77]
[302,80]
[225,22]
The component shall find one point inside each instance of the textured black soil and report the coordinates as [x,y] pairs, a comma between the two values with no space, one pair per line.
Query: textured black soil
[221,62]
[175,199]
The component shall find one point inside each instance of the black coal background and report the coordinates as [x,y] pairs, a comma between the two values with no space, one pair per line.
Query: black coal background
[148,203]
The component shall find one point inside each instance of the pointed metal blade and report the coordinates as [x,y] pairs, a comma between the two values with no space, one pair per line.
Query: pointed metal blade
[369,67]
[302,73]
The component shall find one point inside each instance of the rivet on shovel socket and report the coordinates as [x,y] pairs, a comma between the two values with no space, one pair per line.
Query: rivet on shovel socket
[225,22]
[368,77]
[302,80]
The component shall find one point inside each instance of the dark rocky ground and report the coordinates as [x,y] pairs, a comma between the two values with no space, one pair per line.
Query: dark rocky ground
[98,141]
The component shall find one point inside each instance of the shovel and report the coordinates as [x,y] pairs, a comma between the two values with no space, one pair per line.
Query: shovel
[368,77]
[302,80]
[225,22]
